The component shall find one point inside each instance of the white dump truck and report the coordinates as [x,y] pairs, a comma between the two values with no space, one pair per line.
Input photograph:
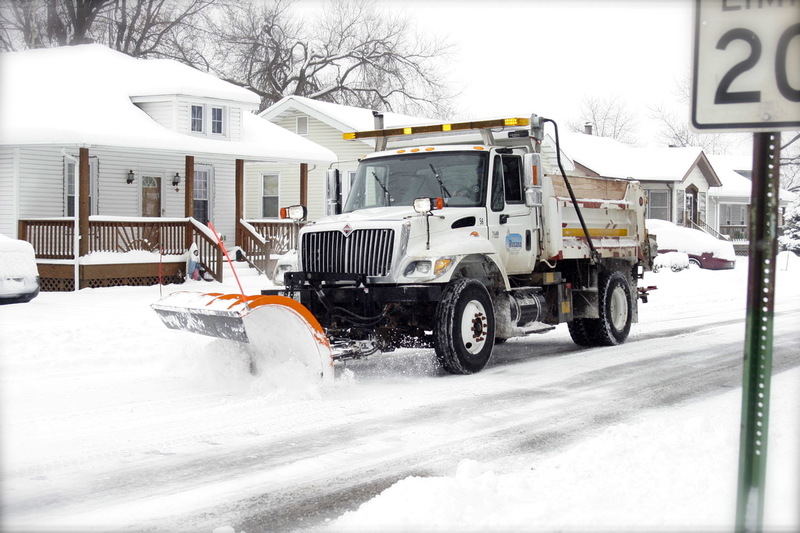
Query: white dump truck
[461,246]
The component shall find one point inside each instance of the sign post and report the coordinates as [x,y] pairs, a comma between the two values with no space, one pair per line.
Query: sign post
[745,79]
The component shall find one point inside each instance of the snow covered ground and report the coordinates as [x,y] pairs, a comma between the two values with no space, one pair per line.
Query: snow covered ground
[112,422]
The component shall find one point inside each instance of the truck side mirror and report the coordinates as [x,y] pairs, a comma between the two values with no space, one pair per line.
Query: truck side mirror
[532,179]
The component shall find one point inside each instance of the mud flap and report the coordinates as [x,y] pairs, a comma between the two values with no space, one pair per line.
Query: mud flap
[273,325]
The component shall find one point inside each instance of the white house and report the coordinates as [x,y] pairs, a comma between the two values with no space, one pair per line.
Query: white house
[323,123]
[140,138]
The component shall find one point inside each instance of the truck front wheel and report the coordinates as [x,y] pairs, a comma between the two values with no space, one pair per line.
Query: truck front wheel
[464,332]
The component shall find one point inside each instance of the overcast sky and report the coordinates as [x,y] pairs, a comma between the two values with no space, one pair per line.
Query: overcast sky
[546,56]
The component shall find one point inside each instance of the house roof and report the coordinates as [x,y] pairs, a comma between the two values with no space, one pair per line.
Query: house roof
[342,117]
[735,186]
[612,159]
[82,95]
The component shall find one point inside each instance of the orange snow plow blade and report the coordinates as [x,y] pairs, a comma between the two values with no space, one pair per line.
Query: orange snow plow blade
[265,322]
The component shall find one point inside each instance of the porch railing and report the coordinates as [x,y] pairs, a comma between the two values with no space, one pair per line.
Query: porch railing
[283,235]
[54,238]
[256,248]
[702,226]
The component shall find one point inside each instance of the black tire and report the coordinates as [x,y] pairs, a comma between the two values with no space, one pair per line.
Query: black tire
[616,309]
[464,330]
[580,329]
[616,314]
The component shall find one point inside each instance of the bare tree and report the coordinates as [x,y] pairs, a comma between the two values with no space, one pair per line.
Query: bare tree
[675,131]
[37,24]
[140,28]
[353,54]
[790,161]
[609,118]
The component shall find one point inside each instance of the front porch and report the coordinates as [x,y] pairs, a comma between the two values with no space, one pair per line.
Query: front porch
[144,251]
[102,251]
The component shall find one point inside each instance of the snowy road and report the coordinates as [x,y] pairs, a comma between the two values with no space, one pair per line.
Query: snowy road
[111,421]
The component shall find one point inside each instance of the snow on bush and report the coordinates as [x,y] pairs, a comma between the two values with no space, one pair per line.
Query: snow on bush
[790,240]
[674,261]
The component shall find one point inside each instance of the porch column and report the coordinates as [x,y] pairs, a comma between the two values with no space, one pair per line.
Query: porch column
[304,184]
[83,201]
[188,209]
[239,209]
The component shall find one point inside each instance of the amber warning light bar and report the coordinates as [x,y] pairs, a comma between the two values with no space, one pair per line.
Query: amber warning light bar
[437,128]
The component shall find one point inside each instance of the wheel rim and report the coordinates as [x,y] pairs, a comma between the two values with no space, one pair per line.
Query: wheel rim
[474,325]
[618,308]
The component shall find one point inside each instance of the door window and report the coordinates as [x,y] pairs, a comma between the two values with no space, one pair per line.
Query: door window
[202,194]
[151,195]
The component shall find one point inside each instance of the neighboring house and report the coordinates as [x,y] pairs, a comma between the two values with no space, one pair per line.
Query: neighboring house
[729,206]
[677,181]
[148,150]
[323,123]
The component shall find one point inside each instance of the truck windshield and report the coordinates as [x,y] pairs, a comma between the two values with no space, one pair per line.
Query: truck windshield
[458,177]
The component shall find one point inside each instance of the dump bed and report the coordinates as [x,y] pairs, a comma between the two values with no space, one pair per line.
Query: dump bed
[614,212]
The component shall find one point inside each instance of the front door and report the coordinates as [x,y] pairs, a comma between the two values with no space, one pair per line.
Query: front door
[151,196]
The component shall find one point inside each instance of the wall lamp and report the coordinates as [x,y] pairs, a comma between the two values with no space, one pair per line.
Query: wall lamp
[131,177]
[176,180]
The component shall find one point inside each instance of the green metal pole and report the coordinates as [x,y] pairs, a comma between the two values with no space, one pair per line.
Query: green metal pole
[758,334]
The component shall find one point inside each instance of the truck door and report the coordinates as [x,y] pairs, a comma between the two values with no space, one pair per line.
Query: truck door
[512,228]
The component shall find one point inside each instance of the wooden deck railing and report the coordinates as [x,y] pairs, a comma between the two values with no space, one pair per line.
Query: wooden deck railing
[281,234]
[54,238]
[257,249]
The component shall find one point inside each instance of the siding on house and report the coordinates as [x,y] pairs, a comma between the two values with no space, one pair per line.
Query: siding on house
[321,133]
[9,181]
[40,187]
[162,112]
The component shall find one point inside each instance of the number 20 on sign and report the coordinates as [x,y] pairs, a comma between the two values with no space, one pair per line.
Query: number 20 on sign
[746,65]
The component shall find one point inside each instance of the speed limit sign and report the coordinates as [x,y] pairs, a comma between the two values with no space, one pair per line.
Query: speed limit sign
[746,72]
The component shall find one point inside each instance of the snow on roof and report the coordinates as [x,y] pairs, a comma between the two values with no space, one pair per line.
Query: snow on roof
[613,159]
[81,95]
[736,186]
[342,117]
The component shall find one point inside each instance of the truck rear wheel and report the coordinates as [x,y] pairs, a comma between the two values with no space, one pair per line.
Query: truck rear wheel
[616,314]
[464,332]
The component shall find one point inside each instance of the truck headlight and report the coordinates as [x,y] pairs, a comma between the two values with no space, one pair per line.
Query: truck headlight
[417,268]
[428,269]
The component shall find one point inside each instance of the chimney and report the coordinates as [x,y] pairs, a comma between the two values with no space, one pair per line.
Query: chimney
[378,120]
[587,128]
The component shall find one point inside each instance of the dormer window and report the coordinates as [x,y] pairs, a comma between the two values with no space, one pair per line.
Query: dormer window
[208,120]
[197,118]
[216,120]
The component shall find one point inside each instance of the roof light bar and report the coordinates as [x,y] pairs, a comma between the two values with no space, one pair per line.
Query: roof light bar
[437,128]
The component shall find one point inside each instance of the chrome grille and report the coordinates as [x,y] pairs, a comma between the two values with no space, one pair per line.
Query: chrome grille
[364,251]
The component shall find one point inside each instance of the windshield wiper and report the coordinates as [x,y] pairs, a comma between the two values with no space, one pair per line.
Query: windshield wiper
[385,190]
[445,192]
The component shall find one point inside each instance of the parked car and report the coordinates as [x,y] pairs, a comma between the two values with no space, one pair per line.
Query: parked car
[703,249]
[19,276]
